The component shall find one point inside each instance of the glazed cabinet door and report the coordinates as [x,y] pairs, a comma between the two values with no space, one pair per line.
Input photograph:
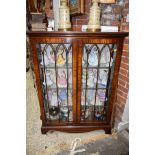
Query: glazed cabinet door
[53,66]
[96,66]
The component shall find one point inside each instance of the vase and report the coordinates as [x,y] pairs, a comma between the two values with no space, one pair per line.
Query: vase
[94,17]
[64,17]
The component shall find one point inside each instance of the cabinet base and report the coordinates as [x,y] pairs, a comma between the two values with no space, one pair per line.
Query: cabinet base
[75,129]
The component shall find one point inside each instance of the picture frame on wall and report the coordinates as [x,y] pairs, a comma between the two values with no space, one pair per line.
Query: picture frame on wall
[76,7]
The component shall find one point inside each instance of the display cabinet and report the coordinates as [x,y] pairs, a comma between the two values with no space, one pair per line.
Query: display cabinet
[76,76]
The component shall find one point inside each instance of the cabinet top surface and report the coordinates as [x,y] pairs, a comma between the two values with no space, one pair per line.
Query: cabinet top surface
[76,34]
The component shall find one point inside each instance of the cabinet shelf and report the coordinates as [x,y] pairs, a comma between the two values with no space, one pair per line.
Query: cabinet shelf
[57,67]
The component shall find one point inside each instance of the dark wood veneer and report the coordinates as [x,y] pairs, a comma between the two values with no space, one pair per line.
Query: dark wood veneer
[77,39]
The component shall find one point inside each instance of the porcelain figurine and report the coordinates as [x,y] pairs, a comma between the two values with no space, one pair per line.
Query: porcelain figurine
[49,81]
[44,56]
[51,57]
[103,75]
[101,95]
[91,78]
[70,98]
[49,95]
[54,101]
[93,58]
[71,116]
[94,17]
[64,113]
[70,77]
[62,82]
[50,54]
[64,109]
[98,101]
[70,57]
[54,113]
[91,97]
[60,59]
[98,115]
[84,58]
[84,76]
[62,95]
[64,16]
[83,99]
[105,57]
[87,113]
[45,60]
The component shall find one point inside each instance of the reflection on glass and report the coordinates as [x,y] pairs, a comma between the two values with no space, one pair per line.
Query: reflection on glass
[97,68]
[56,77]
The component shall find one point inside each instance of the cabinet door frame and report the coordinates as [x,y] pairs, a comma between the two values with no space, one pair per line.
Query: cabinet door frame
[81,43]
[55,40]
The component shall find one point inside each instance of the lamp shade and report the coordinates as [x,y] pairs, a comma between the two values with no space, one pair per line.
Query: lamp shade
[107,1]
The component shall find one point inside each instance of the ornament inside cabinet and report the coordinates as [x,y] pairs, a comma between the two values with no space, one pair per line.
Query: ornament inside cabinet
[76,76]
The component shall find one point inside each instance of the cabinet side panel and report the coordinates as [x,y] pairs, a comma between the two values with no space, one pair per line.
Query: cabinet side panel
[115,78]
[33,43]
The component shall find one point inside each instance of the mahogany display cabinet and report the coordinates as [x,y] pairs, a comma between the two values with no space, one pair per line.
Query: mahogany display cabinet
[76,76]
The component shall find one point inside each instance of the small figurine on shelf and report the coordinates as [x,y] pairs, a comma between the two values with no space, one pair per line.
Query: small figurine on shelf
[84,76]
[48,80]
[54,113]
[98,101]
[70,57]
[44,57]
[49,95]
[62,81]
[70,116]
[93,58]
[91,78]
[86,112]
[60,59]
[62,94]
[84,58]
[103,78]
[54,101]
[98,115]
[91,97]
[105,57]
[70,98]
[64,113]
[70,77]
[83,99]
[44,60]
[101,95]
[51,57]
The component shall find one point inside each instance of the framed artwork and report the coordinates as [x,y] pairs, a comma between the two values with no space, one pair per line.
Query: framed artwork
[76,7]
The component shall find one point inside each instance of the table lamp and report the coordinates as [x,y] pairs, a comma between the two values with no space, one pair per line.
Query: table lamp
[64,17]
[94,17]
